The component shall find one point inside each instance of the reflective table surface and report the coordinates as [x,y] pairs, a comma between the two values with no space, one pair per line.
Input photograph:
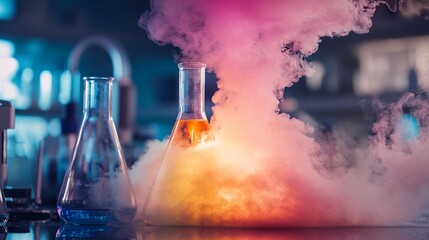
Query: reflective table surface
[56,230]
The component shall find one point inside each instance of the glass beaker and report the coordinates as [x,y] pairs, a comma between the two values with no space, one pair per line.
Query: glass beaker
[192,128]
[96,188]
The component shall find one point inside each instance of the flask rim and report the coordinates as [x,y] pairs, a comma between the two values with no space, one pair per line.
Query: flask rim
[191,65]
[98,78]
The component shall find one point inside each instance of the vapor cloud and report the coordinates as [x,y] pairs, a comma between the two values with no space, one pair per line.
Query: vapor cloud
[265,168]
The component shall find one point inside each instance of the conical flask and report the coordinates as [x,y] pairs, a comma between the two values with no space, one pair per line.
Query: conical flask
[4,214]
[96,188]
[191,130]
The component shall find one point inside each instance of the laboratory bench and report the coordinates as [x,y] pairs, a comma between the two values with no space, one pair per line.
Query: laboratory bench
[44,223]
[58,230]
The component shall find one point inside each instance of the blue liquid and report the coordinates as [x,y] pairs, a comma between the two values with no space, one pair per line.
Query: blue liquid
[75,216]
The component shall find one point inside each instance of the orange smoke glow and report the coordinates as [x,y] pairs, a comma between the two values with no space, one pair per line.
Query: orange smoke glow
[197,188]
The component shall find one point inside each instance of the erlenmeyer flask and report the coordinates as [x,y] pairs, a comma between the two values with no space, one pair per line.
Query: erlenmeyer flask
[96,188]
[4,214]
[190,130]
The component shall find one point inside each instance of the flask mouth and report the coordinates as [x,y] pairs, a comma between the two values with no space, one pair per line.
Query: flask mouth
[97,78]
[191,65]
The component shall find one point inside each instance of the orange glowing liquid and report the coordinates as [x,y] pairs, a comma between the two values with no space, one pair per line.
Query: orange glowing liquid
[190,132]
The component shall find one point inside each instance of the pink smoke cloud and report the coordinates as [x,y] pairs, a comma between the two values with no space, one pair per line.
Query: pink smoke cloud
[264,167]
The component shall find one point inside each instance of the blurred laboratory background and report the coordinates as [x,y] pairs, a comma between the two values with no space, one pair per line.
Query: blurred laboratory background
[46,46]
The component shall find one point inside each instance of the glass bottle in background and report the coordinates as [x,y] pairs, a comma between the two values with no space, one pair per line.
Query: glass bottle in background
[7,121]
[170,195]
[66,143]
[96,188]
[56,154]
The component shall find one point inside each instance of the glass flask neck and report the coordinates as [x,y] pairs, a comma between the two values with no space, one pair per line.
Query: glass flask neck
[191,90]
[98,95]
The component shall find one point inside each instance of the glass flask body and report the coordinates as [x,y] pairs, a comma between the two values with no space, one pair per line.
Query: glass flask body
[4,214]
[167,200]
[96,188]
[191,125]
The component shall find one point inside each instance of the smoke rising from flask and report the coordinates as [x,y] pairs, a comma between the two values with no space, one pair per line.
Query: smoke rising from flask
[265,168]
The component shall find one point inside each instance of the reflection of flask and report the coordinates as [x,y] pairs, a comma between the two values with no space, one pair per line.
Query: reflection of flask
[96,188]
[70,231]
[191,128]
